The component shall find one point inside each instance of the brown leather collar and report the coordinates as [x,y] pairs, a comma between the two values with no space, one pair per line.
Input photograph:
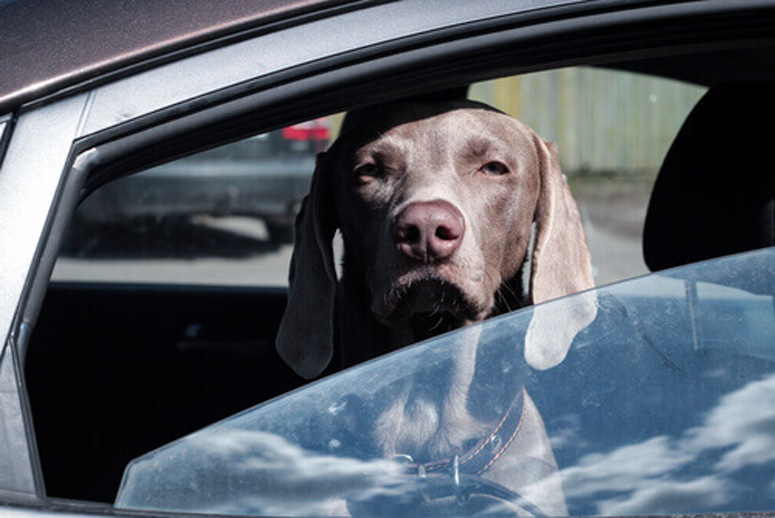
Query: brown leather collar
[484,453]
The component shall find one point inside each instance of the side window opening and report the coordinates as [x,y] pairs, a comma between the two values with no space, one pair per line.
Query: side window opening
[166,298]
[221,217]
[225,216]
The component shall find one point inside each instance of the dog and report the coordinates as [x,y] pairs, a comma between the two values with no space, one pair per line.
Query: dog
[450,212]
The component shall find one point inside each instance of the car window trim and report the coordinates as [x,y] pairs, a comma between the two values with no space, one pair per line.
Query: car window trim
[27,222]
[285,96]
[6,128]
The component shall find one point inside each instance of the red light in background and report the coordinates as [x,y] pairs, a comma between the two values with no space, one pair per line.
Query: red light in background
[312,130]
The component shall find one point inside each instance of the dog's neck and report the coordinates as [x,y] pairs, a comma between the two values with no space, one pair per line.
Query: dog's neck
[358,335]
[429,418]
[435,420]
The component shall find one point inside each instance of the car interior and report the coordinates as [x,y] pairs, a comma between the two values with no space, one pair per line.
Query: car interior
[115,370]
[697,210]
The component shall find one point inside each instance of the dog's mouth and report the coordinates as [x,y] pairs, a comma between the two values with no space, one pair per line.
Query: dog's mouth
[429,305]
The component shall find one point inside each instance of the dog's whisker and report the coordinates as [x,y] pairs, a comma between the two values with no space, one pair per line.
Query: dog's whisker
[504,300]
[437,324]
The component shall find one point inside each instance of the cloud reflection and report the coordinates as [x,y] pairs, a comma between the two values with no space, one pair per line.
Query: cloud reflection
[249,472]
[651,477]
[743,421]
[673,495]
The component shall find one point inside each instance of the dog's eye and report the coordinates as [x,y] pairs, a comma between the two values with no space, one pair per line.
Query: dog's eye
[370,169]
[494,168]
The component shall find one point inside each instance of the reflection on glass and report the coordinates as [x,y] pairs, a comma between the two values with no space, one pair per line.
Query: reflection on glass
[665,403]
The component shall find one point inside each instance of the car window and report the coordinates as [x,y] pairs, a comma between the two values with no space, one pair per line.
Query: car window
[662,404]
[612,130]
[225,216]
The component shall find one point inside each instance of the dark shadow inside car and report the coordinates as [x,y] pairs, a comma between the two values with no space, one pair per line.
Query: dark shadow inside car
[708,204]
[113,373]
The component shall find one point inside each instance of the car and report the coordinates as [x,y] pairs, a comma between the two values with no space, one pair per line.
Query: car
[265,176]
[138,372]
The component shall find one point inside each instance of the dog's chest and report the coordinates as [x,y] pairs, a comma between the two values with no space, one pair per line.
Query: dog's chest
[425,428]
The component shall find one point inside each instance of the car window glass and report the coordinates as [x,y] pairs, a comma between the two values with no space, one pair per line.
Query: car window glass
[225,216]
[662,404]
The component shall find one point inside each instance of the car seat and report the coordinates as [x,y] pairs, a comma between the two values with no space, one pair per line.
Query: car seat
[715,194]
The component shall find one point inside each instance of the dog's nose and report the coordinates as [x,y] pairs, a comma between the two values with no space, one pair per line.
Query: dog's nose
[429,231]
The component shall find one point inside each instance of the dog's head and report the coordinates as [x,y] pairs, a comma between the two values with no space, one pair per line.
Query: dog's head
[437,203]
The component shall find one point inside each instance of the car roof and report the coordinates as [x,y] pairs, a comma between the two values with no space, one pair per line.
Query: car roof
[48,45]
[51,45]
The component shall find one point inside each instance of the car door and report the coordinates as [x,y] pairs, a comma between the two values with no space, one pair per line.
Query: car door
[75,141]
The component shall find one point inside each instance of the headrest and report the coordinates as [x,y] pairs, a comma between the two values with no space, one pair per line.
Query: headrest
[715,193]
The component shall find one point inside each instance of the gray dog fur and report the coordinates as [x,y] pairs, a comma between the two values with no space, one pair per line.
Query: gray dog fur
[412,153]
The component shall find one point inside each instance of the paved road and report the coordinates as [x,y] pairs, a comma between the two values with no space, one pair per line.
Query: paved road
[235,251]
[614,235]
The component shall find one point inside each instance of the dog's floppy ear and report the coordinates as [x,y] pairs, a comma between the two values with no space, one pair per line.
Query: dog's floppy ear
[561,265]
[305,337]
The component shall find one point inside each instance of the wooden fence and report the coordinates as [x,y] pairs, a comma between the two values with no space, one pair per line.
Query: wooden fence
[602,121]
